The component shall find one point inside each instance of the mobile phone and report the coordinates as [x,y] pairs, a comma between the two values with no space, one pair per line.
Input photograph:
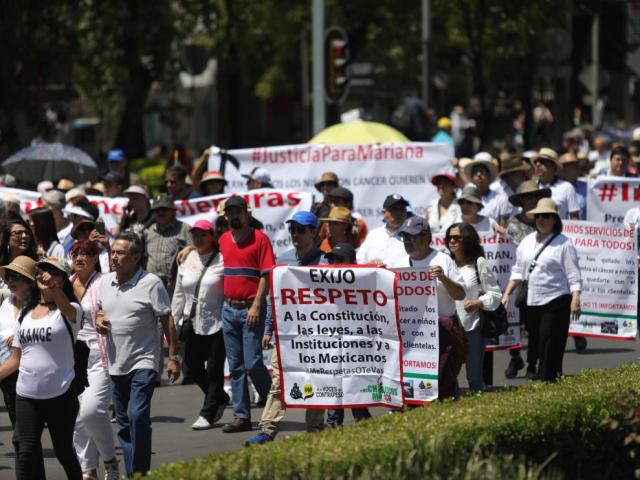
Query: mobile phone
[100,227]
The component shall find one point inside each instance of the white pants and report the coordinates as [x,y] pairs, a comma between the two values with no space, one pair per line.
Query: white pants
[93,434]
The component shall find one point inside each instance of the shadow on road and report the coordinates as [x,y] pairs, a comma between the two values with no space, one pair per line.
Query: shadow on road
[167,419]
[601,351]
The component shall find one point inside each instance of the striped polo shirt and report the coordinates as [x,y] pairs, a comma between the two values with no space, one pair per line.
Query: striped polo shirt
[245,263]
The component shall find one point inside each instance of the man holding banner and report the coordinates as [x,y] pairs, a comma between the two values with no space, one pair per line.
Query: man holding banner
[303,227]
[416,236]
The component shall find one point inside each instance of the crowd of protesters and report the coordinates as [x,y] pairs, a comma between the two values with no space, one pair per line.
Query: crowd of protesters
[85,310]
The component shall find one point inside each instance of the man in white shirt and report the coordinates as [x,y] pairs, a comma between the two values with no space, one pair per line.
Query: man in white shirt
[546,167]
[383,245]
[416,236]
[481,172]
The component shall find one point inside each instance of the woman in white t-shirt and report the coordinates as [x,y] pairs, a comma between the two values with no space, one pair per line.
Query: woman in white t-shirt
[444,210]
[93,434]
[43,347]
[200,322]
[20,277]
[464,244]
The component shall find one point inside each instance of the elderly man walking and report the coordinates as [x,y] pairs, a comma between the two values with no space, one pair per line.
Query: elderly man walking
[131,300]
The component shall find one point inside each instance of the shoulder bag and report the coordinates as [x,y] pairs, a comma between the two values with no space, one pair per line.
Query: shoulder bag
[493,323]
[523,291]
[187,329]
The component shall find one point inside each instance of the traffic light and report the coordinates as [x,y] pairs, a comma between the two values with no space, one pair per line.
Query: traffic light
[337,55]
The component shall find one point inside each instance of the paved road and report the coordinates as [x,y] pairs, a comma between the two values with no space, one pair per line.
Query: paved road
[175,407]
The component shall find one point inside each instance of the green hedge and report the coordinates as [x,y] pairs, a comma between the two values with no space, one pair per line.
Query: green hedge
[536,431]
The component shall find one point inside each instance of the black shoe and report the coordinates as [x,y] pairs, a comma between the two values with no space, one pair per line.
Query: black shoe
[515,364]
[580,343]
[237,425]
[532,373]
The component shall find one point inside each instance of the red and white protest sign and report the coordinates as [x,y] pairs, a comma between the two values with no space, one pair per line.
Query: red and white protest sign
[371,171]
[610,198]
[337,336]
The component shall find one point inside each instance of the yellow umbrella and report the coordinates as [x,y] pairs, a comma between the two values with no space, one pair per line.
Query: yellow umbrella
[358,133]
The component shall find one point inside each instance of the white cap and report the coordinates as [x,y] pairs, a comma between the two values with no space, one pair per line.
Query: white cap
[635,135]
[259,174]
[73,193]
[484,156]
[137,189]
[73,210]
[44,186]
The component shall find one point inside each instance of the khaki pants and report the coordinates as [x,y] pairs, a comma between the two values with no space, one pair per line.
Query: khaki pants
[273,412]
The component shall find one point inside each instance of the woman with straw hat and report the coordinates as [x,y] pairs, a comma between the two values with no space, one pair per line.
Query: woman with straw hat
[547,269]
[339,229]
[19,276]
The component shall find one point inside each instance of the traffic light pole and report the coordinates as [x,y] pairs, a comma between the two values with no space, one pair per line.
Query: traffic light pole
[317,38]
[426,47]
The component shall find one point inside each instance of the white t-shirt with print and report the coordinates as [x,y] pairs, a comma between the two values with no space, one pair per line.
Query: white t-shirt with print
[47,363]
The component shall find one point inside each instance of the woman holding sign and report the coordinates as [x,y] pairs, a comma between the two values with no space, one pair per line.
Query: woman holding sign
[482,293]
[548,274]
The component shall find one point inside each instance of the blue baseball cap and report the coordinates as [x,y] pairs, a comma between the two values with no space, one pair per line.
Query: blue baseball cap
[304,218]
[115,155]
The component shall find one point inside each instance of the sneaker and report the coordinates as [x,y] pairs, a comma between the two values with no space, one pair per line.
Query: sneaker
[259,439]
[90,475]
[201,424]
[515,364]
[532,373]
[237,425]
[581,343]
[111,470]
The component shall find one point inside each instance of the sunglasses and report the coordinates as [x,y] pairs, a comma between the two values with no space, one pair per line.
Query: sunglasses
[466,202]
[542,161]
[544,216]
[297,229]
[410,238]
[455,238]
[50,270]
[20,233]
[333,259]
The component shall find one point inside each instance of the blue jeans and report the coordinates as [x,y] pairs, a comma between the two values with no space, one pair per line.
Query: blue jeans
[244,354]
[132,402]
[475,358]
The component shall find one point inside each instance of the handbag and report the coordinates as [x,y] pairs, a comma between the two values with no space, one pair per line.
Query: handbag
[523,290]
[493,323]
[186,328]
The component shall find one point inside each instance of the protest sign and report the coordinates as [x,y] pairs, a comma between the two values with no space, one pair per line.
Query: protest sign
[371,172]
[500,253]
[610,198]
[272,207]
[337,336]
[418,309]
[607,255]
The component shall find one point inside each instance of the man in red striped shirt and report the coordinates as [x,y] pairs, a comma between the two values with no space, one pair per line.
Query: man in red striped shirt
[248,259]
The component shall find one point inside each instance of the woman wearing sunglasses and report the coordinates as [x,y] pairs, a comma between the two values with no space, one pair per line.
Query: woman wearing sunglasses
[17,239]
[93,434]
[20,277]
[43,350]
[464,244]
[554,283]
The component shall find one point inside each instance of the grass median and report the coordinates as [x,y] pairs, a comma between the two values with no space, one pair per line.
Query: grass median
[562,430]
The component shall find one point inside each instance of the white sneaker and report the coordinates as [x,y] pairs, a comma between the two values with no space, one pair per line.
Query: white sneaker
[111,471]
[201,424]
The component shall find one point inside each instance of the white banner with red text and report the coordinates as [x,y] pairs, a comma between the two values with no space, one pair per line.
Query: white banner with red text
[608,264]
[418,309]
[610,198]
[271,207]
[337,336]
[371,172]
[500,253]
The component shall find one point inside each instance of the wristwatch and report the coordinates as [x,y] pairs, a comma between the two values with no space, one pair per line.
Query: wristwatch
[175,358]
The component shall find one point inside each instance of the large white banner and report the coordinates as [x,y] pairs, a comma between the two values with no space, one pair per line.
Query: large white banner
[371,172]
[610,198]
[608,264]
[271,207]
[338,336]
[500,253]
[418,307]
